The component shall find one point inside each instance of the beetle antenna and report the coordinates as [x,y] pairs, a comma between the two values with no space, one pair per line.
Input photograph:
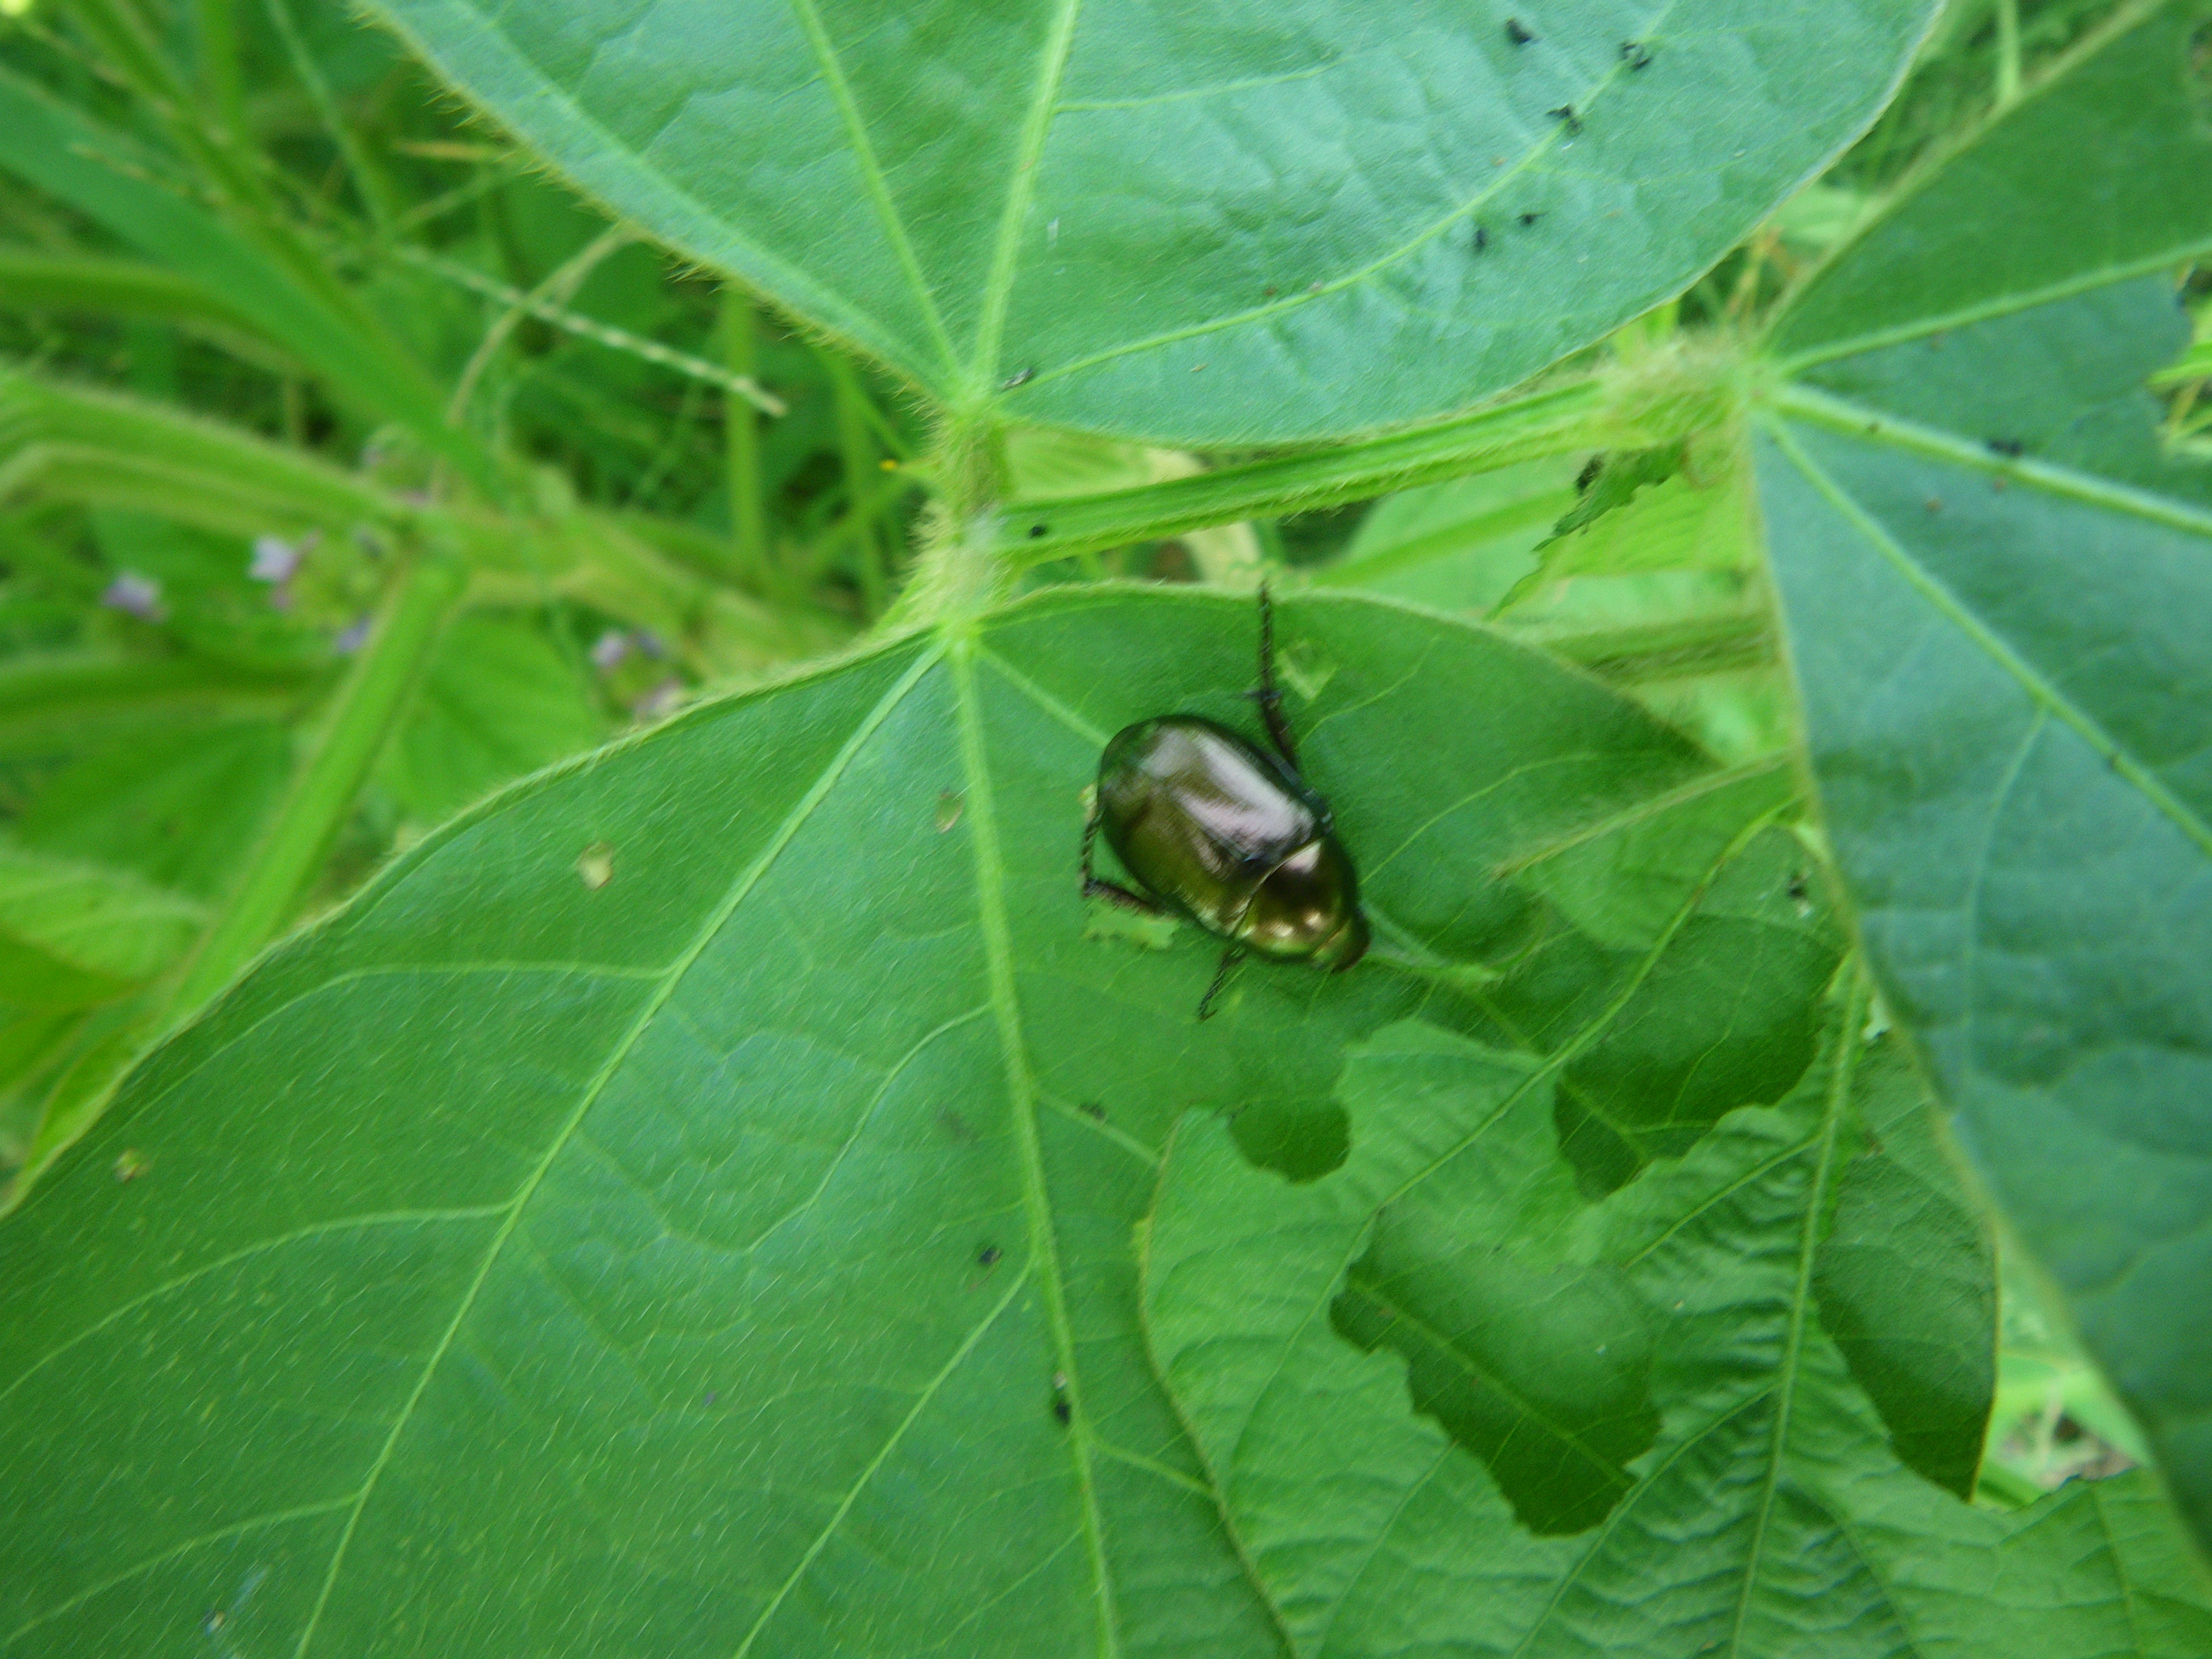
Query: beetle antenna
[1269,698]
[1229,958]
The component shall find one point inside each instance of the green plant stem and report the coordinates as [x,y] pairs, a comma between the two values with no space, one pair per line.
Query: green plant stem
[738,331]
[856,445]
[875,499]
[367,706]
[216,23]
[1669,650]
[556,289]
[1582,415]
[371,183]
[219,154]
[960,569]
[2008,52]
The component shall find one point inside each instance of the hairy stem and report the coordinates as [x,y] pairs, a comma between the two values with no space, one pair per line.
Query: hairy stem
[737,330]
[1646,406]
[367,707]
[856,447]
[962,566]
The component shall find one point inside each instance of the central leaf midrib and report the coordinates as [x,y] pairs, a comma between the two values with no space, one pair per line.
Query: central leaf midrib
[1845,1065]
[998,946]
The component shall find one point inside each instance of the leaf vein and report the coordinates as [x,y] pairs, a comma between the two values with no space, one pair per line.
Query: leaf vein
[712,925]
[1044,1249]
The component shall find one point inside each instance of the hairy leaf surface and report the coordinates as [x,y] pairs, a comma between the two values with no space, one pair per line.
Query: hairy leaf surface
[1255,222]
[1768,1518]
[669,1211]
[1998,593]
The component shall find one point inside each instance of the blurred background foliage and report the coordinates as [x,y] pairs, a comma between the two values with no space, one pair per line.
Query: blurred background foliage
[350,467]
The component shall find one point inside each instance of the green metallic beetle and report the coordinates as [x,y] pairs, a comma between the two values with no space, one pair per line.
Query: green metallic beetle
[1217,830]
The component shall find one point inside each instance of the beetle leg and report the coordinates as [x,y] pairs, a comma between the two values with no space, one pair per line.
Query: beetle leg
[1229,958]
[1112,891]
[1269,698]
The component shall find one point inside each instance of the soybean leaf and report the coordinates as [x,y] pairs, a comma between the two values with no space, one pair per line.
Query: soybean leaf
[698,1178]
[500,699]
[1713,955]
[1999,600]
[1906,1279]
[1249,223]
[1768,1516]
[53,703]
[178,806]
[73,935]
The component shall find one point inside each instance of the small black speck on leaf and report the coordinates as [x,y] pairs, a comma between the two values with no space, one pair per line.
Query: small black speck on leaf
[1019,377]
[1635,54]
[1515,33]
[1482,239]
[1528,219]
[1063,1413]
[1588,475]
[987,1256]
[1038,529]
[1092,1109]
[2010,448]
[1797,888]
[1566,114]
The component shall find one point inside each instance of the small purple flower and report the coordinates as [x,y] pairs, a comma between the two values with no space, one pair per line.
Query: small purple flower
[352,640]
[135,595]
[612,647]
[650,643]
[275,559]
[660,703]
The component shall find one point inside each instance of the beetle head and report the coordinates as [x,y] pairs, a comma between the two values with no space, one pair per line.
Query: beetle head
[1307,909]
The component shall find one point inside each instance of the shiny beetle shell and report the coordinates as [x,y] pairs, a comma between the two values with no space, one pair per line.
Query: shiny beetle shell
[1232,838]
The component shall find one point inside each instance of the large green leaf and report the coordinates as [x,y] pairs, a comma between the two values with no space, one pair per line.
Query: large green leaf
[1999,600]
[1251,222]
[1769,1517]
[180,808]
[500,700]
[652,1217]
[73,933]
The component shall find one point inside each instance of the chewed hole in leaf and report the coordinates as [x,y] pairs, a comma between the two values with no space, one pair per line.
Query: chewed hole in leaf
[1543,1376]
[595,865]
[1112,921]
[1304,669]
